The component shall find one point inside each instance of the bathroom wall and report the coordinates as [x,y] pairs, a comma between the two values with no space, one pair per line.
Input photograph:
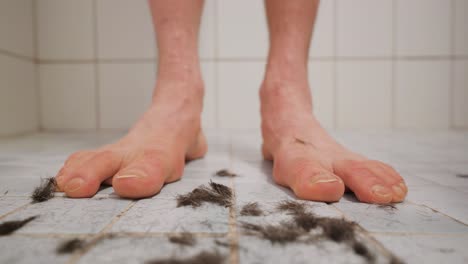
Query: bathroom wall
[374,64]
[18,93]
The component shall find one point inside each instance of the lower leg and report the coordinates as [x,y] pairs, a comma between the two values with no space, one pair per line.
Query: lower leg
[155,149]
[306,158]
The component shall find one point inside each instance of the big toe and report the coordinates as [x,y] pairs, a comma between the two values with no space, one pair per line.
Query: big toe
[308,179]
[372,181]
[142,178]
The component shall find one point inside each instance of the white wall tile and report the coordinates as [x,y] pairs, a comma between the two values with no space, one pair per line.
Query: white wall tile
[16,27]
[18,104]
[65,29]
[238,100]
[67,96]
[461,28]
[323,38]
[364,27]
[364,94]
[125,29]
[321,80]
[423,27]
[207,37]
[125,92]
[209,102]
[422,94]
[242,29]
[460,94]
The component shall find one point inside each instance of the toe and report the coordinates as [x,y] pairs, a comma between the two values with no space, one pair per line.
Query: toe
[72,163]
[308,179]
[143,177]
[83,179]
[371,181]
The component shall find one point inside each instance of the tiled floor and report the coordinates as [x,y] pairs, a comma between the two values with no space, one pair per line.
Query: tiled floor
[431,226]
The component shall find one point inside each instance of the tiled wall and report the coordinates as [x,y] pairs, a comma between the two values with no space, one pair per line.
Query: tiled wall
[18,94]
[374,64]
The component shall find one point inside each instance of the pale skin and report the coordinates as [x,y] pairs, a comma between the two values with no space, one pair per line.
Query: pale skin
[305,157]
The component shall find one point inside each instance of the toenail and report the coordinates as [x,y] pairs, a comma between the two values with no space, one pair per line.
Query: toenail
[127,176]
[380,190]
[398,190]
[59,179]
[403,186]
[74,185]
[323,178]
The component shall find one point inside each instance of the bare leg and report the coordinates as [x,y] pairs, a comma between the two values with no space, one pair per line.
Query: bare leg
[155,149]
[306,158]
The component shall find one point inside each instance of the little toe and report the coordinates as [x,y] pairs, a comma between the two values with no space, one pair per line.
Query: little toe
[370,181]
[142,178]
[84,180]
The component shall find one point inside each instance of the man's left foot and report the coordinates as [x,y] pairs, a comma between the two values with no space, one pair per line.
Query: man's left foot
[308,160]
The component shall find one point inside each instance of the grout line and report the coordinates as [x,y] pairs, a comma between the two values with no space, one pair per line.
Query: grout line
[367,234]
[216,64]
[15,210]
[233,234]
[37,84]
[335,65]
[16,55]
[452,65]
[437,211]
[393,99]
[119,234]
[97,83]
[420,234]
[252,59]
[103,233]
[117,217]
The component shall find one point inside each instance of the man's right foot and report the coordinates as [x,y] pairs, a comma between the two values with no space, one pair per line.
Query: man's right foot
[151,154]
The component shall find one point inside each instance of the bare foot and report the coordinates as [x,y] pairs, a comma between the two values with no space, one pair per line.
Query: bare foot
[151,154]
[308,160]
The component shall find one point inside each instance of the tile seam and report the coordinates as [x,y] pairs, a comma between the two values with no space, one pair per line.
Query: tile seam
[233,234]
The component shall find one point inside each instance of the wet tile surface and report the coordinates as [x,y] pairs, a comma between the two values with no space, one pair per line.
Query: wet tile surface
[145,249]
[431,226]
[17,249]
[163,216]
[62,215]
[431,249]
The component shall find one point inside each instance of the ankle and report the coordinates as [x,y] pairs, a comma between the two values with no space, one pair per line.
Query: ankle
[181,81]
[286,67]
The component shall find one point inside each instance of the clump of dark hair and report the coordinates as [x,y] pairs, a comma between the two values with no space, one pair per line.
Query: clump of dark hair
[70,246]
[462,175]
[337,230]
[301,217]
[10,227]
[291,207]
[216,193]
[76,244]
[45,191]
[251,209]
[203,257]
[395,260]
[306,220]
[184,239]
[225,173]
[388,207]
[282,233]
[360,249]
